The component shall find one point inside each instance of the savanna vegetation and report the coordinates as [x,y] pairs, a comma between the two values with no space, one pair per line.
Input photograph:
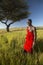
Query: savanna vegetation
[11,48]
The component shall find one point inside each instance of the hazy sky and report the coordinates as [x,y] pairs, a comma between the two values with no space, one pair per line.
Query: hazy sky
[36,9]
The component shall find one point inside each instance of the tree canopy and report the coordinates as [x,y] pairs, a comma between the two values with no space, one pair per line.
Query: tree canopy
[13,10]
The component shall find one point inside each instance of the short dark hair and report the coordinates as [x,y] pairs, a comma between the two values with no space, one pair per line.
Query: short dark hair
[30,20]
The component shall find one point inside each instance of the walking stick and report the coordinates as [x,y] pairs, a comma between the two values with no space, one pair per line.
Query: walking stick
[38,54]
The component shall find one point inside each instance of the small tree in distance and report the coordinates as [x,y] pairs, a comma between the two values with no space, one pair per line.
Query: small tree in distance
[13,10]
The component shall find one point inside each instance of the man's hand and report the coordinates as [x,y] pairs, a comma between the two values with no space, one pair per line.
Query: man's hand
[33,44]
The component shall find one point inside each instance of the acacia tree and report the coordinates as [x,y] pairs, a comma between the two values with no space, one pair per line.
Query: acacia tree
[13,10]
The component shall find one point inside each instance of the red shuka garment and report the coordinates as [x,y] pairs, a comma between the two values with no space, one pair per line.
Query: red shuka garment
[28,41]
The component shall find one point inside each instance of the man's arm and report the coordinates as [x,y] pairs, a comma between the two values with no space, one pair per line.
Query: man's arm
[35,36]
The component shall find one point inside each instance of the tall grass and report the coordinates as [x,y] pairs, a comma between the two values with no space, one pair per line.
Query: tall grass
[11,49]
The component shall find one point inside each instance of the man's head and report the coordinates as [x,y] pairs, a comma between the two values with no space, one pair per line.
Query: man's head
[29,22]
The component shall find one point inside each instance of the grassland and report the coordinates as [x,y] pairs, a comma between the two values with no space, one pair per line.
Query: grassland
[11,48]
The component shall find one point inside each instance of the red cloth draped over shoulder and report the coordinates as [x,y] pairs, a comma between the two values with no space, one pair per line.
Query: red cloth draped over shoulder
[28,41]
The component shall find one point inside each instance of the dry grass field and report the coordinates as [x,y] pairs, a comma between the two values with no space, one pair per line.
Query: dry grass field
[11,48]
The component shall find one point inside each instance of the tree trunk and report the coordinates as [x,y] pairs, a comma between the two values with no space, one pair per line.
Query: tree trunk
[8,28]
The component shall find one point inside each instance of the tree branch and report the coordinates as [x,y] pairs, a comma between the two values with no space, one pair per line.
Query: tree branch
[3,22]
[6,21]
[11,23]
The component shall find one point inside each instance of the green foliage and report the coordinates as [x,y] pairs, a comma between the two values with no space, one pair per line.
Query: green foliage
[14,10]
